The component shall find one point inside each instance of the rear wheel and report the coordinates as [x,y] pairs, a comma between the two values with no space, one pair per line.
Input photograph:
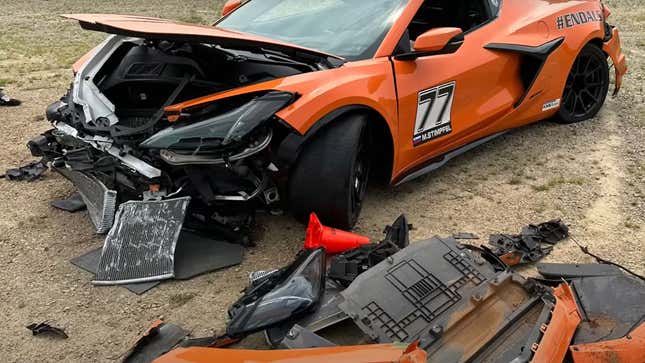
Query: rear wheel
[586,88]
[331,175]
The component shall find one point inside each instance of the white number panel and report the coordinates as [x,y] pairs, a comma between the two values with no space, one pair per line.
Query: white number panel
[433,113]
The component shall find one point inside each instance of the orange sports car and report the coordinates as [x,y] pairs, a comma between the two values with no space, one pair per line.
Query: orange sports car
[293,103]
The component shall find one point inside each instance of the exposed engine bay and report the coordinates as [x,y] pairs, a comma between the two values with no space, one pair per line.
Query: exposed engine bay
[112,125]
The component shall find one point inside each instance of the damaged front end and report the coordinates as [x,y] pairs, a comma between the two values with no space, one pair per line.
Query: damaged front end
[114,140]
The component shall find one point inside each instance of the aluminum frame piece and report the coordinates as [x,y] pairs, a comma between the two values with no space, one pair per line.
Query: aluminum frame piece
[100,201]
[106,145]
[140,247]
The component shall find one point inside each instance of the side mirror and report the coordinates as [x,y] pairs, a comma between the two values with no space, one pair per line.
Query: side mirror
[230,6]
[435,41]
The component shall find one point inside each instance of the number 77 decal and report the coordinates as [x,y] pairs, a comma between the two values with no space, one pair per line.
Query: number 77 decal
[433,113]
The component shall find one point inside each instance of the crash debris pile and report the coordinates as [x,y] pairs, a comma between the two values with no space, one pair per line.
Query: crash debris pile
[436,300]
[148,242]
[533,243]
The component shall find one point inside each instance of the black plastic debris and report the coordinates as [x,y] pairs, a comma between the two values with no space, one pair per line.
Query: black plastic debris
[156,341]
[6,100]
[550,232]
[196,255]
[45,329]
[140,247]
[531,245]
[29,172]
[345,267]
[90,263]
[465,235]
[570,271]
[301,338]
[398,299]
[399,232]
[72,204]
[435,290]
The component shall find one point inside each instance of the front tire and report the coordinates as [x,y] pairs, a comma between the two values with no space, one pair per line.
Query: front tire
[330,177]
[586,88]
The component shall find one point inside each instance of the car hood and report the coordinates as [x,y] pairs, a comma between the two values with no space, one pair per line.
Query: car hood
[155,28]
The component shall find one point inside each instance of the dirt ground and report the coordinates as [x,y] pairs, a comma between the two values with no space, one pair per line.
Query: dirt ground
[590,174]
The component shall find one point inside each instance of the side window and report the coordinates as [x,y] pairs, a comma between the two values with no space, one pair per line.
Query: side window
[464,14]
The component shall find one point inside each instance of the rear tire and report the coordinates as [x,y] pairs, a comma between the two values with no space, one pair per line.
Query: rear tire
[331,174]
[586,88]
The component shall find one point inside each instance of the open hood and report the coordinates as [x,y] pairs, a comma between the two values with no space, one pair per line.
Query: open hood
[155,28]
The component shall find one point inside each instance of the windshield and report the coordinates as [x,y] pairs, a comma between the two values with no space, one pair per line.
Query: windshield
[352,29]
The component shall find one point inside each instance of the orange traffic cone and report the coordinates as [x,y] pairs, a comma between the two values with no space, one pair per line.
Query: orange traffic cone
[333,240]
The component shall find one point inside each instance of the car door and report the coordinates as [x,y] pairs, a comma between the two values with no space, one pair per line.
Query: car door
[449,100]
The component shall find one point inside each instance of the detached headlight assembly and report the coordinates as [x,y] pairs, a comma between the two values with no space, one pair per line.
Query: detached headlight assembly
[283,295]
[223,129]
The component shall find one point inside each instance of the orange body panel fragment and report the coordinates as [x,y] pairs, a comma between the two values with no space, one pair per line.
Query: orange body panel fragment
[381,353]
[560,330]
[630,349]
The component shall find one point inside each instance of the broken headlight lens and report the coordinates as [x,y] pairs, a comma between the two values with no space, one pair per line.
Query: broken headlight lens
[280,296]
[223,129]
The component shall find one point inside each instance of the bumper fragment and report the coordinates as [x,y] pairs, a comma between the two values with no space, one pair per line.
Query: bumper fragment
[613,48]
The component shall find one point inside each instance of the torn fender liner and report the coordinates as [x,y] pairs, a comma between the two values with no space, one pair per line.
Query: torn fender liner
[452,301]
[630,349]
[100,201]
[382,353]
[141,245]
